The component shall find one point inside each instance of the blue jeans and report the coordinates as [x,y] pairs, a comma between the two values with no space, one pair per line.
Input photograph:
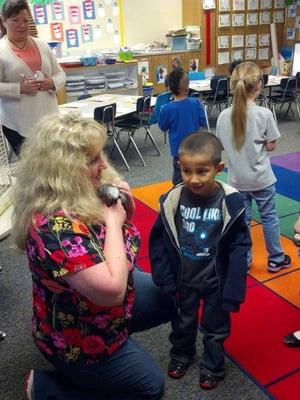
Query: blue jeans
[265,200]
[215,326]
[129,373]
[177,178]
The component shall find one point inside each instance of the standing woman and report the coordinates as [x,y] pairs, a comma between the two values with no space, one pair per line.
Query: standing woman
[25,95]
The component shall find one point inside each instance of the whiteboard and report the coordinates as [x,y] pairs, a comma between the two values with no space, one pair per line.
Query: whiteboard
[296,59]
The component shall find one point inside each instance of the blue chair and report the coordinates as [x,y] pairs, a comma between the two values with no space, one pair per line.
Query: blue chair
[219,94]
[196,75]
[161,100]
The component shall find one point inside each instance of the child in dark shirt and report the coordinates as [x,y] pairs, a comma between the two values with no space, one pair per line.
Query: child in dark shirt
[198,249]
[181,117]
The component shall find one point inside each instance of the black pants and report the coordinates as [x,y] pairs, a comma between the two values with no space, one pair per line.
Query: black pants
[215,325]
[14,139]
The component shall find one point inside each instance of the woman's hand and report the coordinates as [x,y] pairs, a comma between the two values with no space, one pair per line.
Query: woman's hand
[114,215]
[29,86]
[130,206]
[46,84]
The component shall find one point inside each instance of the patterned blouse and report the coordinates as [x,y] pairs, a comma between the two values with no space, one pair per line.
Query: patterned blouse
[66,324]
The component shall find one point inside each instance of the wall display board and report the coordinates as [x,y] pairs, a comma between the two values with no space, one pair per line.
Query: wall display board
[79,24]
[291,32]
[246,26]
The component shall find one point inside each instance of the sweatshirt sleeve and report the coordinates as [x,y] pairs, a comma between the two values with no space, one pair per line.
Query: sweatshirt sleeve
[201,114]
[161,264]
[163,120]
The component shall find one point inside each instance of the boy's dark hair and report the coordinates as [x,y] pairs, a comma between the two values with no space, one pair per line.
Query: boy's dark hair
[174,79]
[233,64]
[202,142]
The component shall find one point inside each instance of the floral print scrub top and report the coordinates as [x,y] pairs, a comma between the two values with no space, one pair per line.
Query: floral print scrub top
[66,324]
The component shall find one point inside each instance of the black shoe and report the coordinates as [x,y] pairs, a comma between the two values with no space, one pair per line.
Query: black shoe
[209,381]
[276,267]
[291,340]
[176,369]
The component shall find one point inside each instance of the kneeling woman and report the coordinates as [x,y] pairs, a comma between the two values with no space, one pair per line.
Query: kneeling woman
[87,296]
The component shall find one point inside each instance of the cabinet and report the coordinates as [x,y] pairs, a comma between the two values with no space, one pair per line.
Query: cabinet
[162,63]
[102,78]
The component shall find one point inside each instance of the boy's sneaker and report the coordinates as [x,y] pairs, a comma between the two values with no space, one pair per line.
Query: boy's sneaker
[176,369]
[276,267]
[209,380]
[28,385]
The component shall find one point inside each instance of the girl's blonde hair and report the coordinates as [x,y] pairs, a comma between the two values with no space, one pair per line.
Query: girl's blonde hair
[244,81]
[52,173]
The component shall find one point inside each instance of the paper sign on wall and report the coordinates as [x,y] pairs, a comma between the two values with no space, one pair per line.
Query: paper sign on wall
[57,8]
[40,14]
[57,32]
[88,9]
[87,33]
[74,15]
[72,38]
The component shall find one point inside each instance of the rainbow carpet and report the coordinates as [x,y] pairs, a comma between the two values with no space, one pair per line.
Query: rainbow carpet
[271,309]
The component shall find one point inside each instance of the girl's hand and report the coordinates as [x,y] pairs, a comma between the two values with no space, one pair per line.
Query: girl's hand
[114,215]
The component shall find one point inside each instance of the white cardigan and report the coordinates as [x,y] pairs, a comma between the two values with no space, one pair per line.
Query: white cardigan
[19,111]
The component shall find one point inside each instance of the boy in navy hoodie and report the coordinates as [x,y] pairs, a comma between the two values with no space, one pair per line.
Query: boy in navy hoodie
[198,250]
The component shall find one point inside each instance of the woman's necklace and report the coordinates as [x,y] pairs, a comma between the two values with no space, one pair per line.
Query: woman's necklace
[17,45]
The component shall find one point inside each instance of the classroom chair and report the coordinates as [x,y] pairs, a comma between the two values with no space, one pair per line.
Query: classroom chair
[106,116]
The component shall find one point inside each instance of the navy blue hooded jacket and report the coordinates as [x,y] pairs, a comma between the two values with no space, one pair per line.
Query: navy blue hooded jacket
[231,256]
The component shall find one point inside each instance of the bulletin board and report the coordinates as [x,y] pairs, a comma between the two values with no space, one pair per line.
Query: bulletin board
[292,25]
[80,25]
[243,31]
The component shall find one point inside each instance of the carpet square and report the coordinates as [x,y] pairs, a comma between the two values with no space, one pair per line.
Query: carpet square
[288,287]
[290,161]
[288,388]
[259,265]
[150,194]
[144,218]
[257,332]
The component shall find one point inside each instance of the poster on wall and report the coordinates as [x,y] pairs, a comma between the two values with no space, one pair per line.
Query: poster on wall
[74,15]
[87,33]
[72,38]
[143,70]
[88,7]
[57,8]
[161,73]
[40,14]
[57,32]
[194,65]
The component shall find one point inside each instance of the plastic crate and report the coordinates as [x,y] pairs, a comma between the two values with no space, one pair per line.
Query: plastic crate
[178,42]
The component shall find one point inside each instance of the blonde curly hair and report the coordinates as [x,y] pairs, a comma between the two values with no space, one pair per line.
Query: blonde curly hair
[52,173]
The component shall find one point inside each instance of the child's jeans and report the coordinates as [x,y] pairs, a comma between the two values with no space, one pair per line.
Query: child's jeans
[129,373]
[177,178]
[265,200]
[215,326]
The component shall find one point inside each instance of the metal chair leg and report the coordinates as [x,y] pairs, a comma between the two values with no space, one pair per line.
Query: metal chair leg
[2,335]
[131,140]
[148,133]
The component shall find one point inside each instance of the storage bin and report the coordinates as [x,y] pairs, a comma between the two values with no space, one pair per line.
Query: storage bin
[178,42]
[88,61]
[148,89]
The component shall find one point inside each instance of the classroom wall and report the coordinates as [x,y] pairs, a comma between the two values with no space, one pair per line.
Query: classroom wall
[149,20]
[143,22]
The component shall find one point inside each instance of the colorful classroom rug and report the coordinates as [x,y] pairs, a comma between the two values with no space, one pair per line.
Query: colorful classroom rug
[272,304]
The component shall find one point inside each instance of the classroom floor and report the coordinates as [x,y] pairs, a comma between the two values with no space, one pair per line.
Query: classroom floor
[258,365]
